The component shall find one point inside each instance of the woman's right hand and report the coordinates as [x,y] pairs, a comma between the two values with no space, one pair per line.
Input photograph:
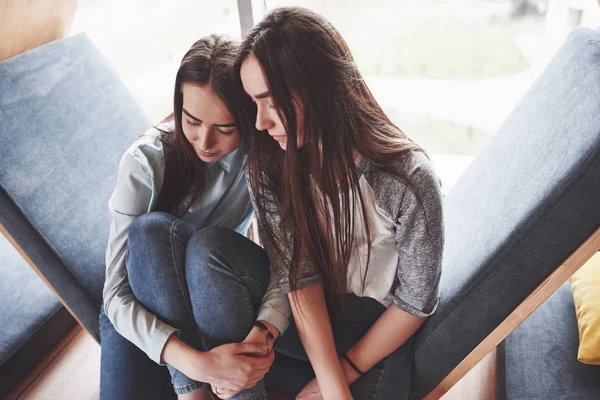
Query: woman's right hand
[232,366]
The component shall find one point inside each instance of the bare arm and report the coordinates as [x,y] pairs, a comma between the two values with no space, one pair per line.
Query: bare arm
[379,342]
[312,321]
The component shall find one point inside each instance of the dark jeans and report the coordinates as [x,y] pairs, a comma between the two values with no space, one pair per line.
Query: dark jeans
[126,372]
[209,284]
[388,380]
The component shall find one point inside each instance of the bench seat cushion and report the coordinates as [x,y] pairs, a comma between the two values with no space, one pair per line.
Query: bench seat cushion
[540,356]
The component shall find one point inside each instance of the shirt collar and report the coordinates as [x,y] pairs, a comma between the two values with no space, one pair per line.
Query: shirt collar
[226,162]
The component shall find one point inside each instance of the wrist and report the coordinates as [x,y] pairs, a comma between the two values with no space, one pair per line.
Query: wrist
[267,332]
[183,357]
[171,352]
[198,364]
[272,329]
[256,335]
[349,372]
[339,390]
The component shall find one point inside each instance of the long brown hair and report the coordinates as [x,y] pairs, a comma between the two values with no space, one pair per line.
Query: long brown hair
[209,61]
[305,60]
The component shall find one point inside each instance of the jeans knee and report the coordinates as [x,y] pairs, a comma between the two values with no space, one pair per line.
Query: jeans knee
[148,233]
[150,225]
[212,238]
[230,250]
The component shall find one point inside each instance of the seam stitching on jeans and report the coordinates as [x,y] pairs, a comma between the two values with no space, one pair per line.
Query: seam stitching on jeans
[248,298]
[187,300]
[385,366]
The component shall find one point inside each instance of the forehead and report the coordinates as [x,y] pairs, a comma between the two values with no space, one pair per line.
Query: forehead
[202,102]
[252,76]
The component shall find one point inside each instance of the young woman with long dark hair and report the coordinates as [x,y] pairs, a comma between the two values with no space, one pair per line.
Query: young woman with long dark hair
[182,283]
[349,210]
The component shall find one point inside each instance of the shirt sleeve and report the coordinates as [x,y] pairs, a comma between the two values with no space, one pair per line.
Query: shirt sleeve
[275,307]
[419,242]
[132,197]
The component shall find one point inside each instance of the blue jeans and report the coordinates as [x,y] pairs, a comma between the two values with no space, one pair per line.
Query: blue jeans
[207,283]
[126,372]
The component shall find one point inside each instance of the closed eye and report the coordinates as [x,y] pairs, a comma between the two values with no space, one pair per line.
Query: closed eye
[226,133]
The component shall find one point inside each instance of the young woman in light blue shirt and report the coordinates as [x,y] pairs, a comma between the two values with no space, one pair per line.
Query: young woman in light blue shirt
[183,286]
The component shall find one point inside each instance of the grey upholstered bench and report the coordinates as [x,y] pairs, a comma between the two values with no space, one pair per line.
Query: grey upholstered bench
[521,220]
[32,320]
[539,359]
[526,206]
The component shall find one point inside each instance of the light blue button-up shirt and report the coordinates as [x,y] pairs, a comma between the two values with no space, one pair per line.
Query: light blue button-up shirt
[225,202]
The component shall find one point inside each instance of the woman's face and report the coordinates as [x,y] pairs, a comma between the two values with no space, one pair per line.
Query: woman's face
[267,117]
[207,123]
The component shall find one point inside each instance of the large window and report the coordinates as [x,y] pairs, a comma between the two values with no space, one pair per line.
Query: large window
[145,40]
[448,72]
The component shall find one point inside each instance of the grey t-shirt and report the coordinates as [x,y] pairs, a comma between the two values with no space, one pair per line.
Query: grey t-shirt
[407,238]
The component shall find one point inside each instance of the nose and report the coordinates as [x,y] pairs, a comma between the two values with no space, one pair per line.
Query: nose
[263,122]
[204,138]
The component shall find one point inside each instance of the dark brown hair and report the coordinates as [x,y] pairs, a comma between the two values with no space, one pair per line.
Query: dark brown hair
[305,60]
[209,61]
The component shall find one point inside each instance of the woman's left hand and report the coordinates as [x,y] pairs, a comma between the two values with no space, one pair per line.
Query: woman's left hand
[312,391]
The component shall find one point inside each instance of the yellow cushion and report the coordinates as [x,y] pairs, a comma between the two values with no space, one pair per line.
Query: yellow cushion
[585,285]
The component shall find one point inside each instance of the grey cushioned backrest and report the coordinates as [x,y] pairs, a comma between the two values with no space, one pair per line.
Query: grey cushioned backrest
[526,203]
[66,119]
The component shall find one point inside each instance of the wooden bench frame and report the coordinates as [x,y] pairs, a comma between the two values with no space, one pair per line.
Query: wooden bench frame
[544,290]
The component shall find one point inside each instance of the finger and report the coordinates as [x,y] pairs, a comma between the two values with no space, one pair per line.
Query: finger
[252,348]
[253,381]
[250,382]
[227,394]
[261,362]
[220,392]
[260,373]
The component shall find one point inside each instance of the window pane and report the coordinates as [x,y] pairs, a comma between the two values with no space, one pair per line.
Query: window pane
[145,40]
[448,72]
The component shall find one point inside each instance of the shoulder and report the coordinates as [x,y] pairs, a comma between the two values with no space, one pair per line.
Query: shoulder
[408,177]
[412,169]
[145,153]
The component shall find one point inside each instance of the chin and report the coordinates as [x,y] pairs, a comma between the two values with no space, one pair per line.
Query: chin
[213,158]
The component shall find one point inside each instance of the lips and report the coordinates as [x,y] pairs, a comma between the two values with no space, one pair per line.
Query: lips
[279,138]
[205,153]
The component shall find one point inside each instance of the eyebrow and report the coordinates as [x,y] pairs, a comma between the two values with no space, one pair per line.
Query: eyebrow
[263,95]
[232,125]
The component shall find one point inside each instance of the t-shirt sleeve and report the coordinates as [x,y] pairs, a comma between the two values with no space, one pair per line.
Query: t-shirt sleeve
[419,242]
[414,205]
